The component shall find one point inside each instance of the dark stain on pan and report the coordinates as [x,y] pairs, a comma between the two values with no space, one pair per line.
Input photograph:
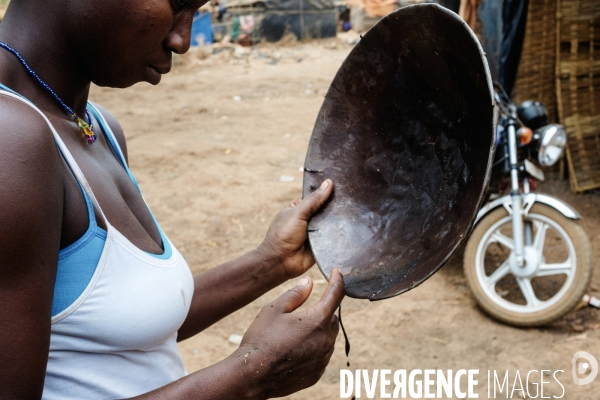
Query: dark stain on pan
[406,133]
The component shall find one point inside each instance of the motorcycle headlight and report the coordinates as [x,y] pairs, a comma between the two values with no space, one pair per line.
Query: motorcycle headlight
[549,144]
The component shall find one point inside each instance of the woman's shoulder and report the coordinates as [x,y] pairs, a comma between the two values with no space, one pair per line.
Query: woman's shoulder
[24,132]
[29,161]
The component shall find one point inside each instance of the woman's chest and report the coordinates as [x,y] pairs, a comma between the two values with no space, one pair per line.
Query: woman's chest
[134,301]
[117,194]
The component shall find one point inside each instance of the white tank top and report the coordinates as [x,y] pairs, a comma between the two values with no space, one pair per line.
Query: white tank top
[119,338]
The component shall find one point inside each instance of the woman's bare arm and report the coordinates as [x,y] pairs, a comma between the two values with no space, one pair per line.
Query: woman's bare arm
[31,205]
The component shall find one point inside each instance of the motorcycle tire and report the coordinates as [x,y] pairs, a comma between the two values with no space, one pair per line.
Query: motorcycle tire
[495,228]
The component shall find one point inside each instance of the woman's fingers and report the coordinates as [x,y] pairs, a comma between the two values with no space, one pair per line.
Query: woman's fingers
[294,203]
[308,259]
[311,203]
[286,237]
[326,307]
[298,342]
[295,297]
[333,296]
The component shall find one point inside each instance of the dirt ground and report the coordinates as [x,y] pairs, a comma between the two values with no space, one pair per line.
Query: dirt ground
[217,148]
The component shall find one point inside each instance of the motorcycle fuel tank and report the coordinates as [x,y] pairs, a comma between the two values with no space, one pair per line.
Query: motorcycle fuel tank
[406,133]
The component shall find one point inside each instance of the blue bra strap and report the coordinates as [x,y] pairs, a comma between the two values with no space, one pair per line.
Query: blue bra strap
[9,90]
[113,142]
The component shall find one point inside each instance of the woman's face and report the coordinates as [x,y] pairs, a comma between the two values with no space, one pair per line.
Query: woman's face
[118,43]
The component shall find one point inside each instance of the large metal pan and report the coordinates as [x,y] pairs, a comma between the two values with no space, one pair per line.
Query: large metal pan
[406,133]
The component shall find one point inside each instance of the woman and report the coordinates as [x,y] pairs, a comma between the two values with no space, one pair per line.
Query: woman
[93,295]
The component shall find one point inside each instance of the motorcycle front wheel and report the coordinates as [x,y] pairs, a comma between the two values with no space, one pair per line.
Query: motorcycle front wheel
[556,275]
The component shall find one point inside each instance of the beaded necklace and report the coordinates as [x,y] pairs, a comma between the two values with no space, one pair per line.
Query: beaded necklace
[85,127]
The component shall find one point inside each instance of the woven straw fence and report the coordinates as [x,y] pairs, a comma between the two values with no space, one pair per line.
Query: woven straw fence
[537,67]
[578,88]
[535,78]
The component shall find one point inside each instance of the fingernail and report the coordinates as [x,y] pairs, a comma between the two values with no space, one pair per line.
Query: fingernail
[325,184]
[303,282]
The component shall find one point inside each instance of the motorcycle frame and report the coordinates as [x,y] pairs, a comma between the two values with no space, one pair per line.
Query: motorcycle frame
[518,202]
[528,200]
[515,195]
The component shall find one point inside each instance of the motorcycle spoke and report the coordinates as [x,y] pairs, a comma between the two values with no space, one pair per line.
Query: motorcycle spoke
[528,293]
[540,236]
[498,274]
[502,239]
[556,269]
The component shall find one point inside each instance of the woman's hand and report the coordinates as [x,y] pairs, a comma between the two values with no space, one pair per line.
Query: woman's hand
[281,353]
[286,238]
[285,351]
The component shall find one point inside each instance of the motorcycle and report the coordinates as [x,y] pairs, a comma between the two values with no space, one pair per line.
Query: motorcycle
[527,261]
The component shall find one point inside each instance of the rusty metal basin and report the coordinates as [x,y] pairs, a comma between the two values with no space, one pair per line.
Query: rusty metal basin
[406,133]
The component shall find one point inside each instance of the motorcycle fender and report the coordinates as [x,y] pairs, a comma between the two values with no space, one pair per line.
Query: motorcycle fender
[528,201]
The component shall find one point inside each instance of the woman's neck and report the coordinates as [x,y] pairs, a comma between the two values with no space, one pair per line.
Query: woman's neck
[28,31]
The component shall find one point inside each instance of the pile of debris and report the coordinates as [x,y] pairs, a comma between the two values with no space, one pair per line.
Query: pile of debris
[288,49]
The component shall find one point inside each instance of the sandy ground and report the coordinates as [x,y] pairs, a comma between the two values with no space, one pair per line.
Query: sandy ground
[209,147]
